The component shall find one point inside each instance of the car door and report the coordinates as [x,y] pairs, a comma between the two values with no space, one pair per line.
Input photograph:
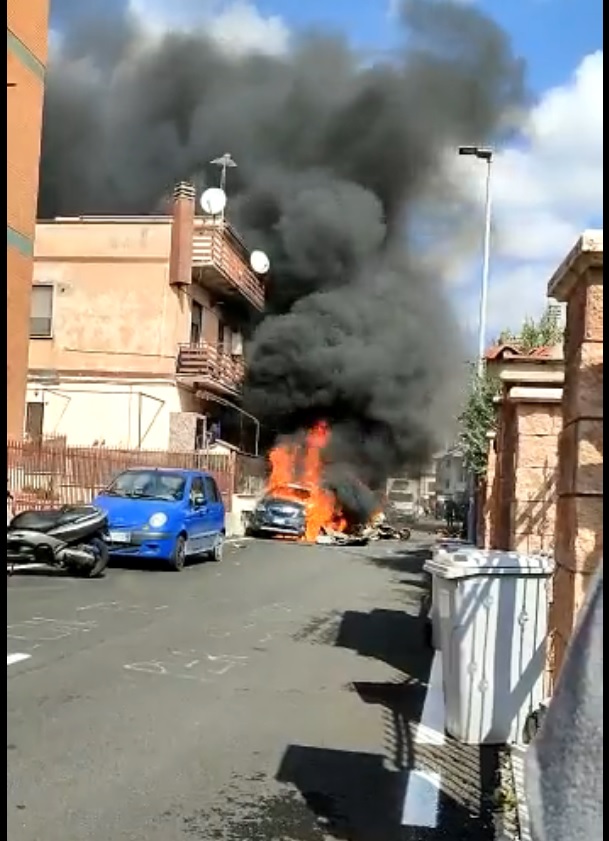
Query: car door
[197,518]
[215,506]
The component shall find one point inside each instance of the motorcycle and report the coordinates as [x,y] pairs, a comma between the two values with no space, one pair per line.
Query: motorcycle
[72,538]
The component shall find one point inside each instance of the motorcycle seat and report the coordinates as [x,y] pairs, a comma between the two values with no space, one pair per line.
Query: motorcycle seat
[44,521]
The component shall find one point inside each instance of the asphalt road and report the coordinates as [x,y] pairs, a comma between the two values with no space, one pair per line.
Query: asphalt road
[269,698]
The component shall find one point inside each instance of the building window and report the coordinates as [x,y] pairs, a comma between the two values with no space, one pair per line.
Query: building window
[34,420]
[41,312]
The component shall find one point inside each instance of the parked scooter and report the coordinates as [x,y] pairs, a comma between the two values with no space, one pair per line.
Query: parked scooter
[72,538]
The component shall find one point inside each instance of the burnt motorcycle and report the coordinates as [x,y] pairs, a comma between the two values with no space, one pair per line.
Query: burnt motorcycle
[72,539]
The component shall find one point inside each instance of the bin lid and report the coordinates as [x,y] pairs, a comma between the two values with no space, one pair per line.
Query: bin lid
[444,547]
[469,562]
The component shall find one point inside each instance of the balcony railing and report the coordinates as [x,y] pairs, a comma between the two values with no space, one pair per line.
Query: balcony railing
[209,365]
[223,259]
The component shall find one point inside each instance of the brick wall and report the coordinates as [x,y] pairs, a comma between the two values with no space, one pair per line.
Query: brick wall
[30,23]
[27,36]
[579,527]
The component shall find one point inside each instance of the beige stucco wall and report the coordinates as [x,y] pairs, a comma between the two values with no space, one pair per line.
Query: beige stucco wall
[120,414]
[114,309]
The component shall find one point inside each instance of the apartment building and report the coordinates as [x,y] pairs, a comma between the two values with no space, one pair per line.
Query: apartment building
[27,27]
[451,475]
[136,330]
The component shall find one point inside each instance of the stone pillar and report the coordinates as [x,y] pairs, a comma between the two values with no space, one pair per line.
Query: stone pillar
[538,421]
[579,528]
[486,518]
[182,232]
[503,485]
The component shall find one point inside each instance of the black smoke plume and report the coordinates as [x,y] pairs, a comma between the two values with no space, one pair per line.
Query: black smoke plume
[341,179]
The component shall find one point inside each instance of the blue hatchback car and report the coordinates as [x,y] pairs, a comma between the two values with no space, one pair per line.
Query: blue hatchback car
[164,513]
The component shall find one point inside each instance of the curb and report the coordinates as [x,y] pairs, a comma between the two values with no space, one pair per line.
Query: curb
[518,755]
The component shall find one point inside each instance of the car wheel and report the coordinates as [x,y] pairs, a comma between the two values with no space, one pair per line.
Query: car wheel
[217,553]
[178,558]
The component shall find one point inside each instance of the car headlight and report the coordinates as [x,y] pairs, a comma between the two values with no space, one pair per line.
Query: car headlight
[158,520]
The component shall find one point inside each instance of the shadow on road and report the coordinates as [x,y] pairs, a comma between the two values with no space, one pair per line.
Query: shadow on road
[137,564]
[360,796]
[355,797]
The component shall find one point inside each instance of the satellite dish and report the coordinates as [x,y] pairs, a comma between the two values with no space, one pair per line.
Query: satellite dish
[259,262]
[213,201]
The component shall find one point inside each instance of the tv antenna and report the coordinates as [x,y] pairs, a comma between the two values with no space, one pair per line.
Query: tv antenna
[225,162]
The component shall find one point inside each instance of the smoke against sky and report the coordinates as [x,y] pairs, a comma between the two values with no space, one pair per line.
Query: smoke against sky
[340,173]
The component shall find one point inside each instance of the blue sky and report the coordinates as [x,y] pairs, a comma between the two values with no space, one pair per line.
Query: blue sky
[552,35]
[538,28]
[547,186]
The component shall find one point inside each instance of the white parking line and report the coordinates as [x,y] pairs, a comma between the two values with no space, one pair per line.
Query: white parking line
[422,797]
[11,659]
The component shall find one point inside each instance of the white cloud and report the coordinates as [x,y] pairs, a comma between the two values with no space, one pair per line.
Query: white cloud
[546,191]
[238,27]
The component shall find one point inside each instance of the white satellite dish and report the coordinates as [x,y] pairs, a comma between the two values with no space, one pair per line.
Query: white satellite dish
[259,262]
[213,201]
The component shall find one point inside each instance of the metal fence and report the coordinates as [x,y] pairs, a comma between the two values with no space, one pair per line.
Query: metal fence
[47,473]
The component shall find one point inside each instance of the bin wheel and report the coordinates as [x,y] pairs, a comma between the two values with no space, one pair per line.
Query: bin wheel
[428,633]
[532,725]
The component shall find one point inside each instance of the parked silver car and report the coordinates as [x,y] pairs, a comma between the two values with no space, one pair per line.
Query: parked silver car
[281,511]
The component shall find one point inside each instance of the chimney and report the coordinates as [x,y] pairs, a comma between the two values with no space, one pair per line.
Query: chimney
[182,232]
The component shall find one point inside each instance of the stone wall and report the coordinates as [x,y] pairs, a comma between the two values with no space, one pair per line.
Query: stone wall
[521,482]
[182,431]
[579,530]
[533,505]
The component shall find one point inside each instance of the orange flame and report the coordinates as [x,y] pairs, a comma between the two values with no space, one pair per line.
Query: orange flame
[301,465]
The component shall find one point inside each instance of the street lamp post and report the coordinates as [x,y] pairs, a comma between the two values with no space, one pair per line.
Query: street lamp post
[483,154]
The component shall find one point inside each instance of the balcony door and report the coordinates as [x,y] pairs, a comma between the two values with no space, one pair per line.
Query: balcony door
[196,324]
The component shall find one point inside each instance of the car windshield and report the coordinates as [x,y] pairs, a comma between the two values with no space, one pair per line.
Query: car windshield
[288,493]
[403,496]
[147,484]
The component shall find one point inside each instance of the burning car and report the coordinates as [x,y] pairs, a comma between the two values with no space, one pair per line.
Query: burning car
[282,511]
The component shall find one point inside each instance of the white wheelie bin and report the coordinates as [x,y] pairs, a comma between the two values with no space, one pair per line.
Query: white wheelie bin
[491,610]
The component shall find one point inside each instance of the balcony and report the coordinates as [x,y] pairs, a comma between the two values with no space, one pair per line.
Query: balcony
[220,262]
[207,366]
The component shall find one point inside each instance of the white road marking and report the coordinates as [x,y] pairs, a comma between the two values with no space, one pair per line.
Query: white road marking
[40,629]
[422,797]
[430,730]
[11,659]
[212,666]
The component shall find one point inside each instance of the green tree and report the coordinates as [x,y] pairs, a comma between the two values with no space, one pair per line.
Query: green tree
[543,333]
[479,417]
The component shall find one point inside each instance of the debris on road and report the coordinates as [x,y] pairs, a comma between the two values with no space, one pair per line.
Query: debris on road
[327,537]
[378,530]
